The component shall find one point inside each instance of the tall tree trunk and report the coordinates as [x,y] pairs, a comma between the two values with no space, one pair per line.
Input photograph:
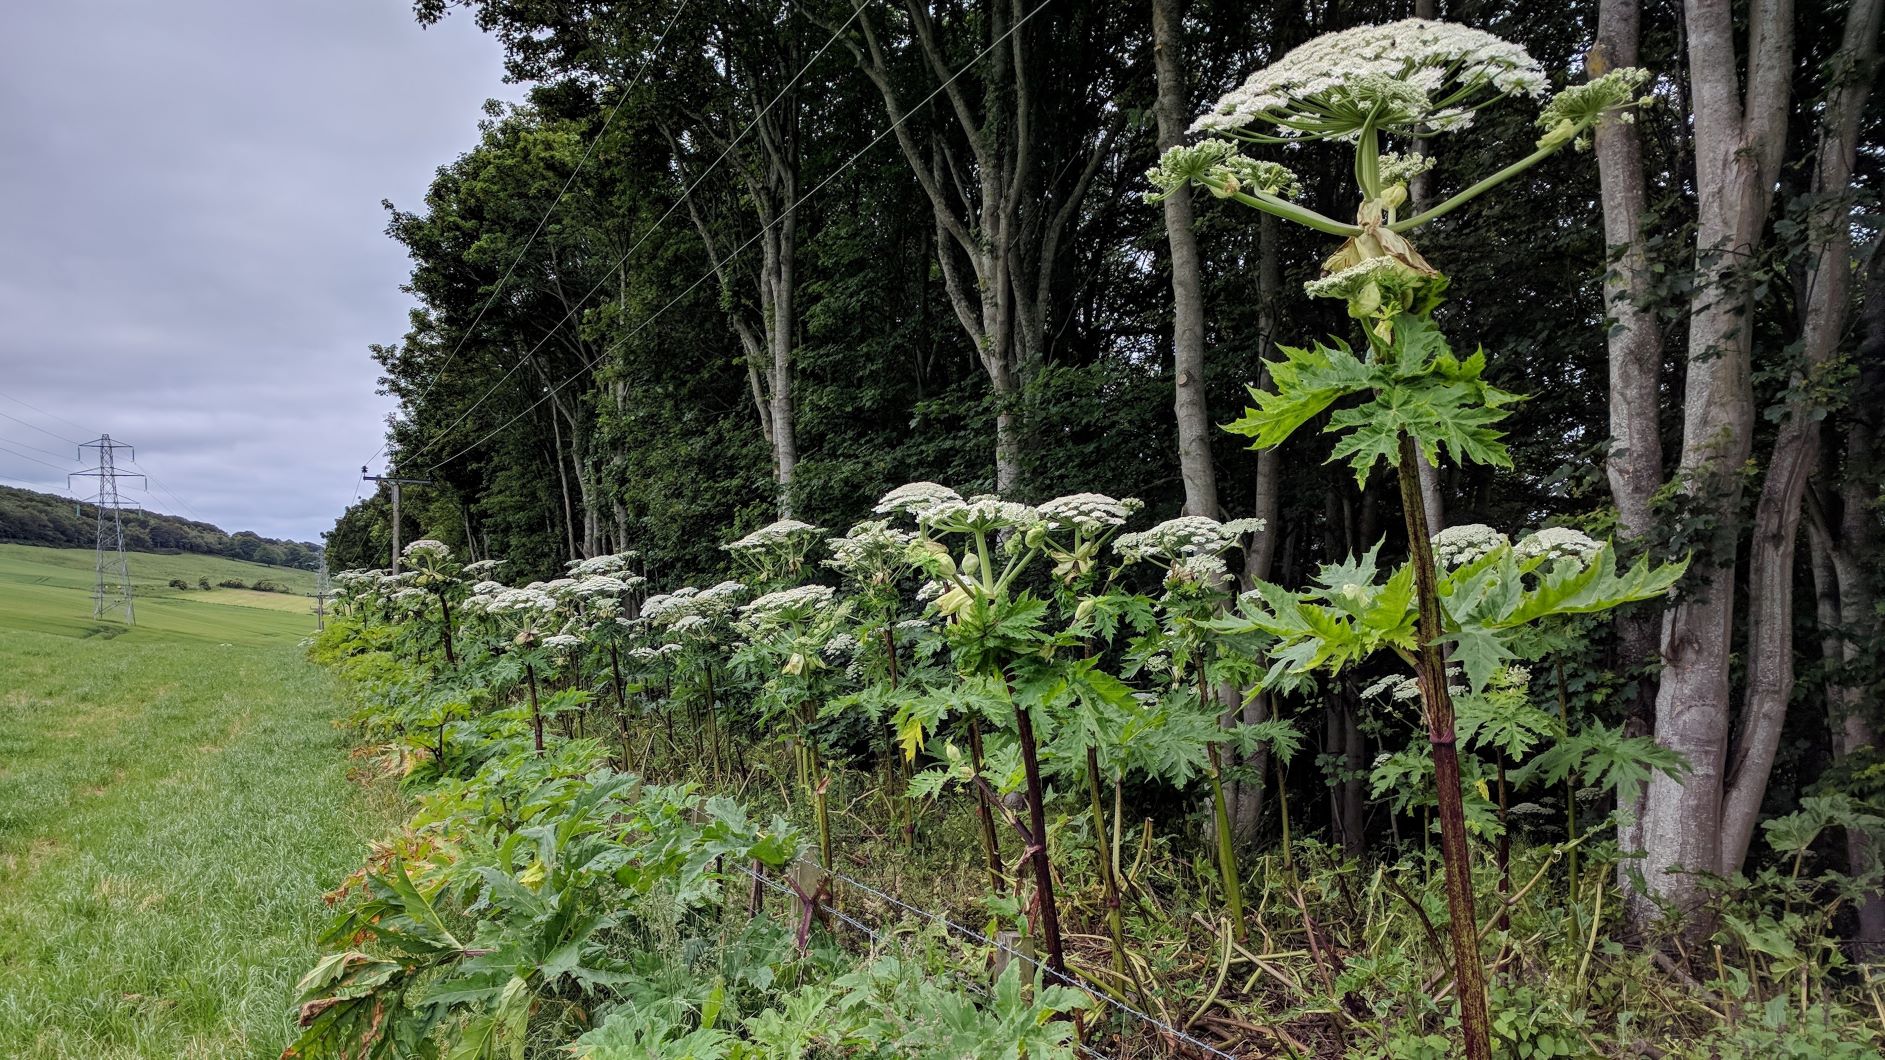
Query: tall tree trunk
[1260,556]
[1737,156]
[1194,418]
[1845,537]
[1825,302]
[991,206]
[1634,464]
[562,475]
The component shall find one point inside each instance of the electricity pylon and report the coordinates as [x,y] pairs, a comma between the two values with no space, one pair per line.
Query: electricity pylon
[112,567]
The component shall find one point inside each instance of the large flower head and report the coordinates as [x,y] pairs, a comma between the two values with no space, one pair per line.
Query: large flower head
[1415,76]
[775,536]
[1088,513]
[915,498]
[613,563]
[787,606]
[872,552]
[984,514]
[1185,536]
[1459,545]
[427,548]
[1558,542]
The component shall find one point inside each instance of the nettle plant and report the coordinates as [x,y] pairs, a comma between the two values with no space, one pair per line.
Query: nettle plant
[1404,395]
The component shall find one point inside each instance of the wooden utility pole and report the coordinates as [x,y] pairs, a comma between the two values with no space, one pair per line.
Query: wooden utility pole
[396,483]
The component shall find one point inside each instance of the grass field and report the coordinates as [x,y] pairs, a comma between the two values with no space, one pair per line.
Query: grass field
[174,799]
[48,590]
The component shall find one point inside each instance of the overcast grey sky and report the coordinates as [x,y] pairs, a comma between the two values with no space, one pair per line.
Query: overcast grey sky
[192,254]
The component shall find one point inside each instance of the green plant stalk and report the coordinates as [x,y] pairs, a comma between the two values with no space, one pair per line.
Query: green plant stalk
[621,700]
[991,843]
[1570,788]
[713,726]
[814,782]
[1037,828]
[1478,189]
[445,609]
[1226,850]
[1282,810]
[1289,211]
[1109,886]
[1455,850]
[906,807]
[536,715]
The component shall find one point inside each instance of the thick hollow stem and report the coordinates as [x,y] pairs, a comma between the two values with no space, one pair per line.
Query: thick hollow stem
[1103,854]
[1226,850]
[1289,211]
[536,715]
[1037,828]
[1478,189]
[991,843]
[1430,672]
[445,609]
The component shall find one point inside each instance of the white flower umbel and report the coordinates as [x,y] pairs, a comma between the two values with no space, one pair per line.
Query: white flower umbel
[871,551]
[600,585]
[483,567]
[983,514]
[1089,513]
[1187,535]
[1459,545]
[563,642]
[915,498]
[613,563]
[1557,542]
[488,588]
[1412,76]
[426,548]
[782,534]
[524,601]
[1393,686]
[788,605]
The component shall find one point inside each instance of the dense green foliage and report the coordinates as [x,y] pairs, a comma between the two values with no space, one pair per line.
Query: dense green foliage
[574,872]
[983,295]
[31,518]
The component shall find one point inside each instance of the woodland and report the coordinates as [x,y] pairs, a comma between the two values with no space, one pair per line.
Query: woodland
[1309,533]
[28,517]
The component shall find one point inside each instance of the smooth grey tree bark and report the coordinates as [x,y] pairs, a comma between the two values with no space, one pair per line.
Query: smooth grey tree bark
[1189,403]
[1738,141]
[1844,533]
[986,200]
[1634,465]
[1825,300]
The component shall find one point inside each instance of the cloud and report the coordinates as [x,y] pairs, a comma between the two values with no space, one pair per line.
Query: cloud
[192,248]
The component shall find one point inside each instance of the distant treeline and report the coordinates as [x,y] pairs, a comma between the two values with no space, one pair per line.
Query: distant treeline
[31,518]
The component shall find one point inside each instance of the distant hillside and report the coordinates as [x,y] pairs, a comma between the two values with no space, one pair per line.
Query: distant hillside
[31,518]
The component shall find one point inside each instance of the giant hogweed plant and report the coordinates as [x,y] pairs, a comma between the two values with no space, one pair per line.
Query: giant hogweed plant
[1404,394]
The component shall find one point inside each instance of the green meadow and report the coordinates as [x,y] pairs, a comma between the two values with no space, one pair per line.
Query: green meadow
[174,800]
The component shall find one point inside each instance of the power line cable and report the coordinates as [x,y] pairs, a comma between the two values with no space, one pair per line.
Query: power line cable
[788,211]
[545,219]
[686,195]
[34,448]
[34,459]
[49,415]
[165,490]
[37,427]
